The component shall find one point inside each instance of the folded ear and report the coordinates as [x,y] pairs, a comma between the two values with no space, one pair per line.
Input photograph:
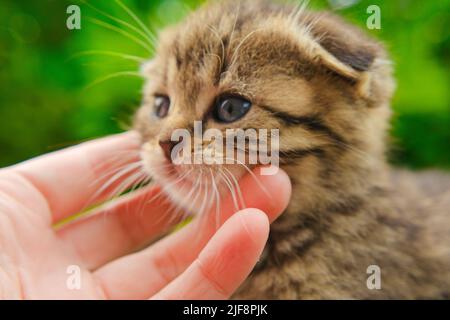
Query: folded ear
[342,47]
[338,60]
[346,60]
[344,50]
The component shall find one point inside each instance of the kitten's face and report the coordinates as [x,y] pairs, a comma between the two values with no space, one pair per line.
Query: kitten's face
[247,65]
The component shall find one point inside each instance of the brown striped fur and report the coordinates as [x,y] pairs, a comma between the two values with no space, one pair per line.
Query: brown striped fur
[327,87]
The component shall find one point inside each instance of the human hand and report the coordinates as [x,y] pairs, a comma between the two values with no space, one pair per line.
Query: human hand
[196,262]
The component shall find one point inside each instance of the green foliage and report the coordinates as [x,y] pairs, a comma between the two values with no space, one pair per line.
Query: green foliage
[45,103]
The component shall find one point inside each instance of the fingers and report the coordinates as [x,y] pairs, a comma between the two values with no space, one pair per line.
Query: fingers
[69,179]
[225,262]
[119,228]
[140,275]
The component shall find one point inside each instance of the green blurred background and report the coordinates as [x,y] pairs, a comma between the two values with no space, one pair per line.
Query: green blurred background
[45,105]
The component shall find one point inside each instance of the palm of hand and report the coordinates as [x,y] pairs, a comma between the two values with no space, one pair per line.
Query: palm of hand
[34,261]
[92,258]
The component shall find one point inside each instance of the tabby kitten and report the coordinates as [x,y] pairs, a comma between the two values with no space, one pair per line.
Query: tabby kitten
[327,87]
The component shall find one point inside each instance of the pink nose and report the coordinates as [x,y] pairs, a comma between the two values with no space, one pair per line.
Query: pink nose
[167,147]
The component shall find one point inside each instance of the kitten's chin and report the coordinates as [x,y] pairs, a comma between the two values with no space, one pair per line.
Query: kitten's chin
[187,189]
[194,189]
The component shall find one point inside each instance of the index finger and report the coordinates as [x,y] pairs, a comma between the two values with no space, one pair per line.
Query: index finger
[72,179]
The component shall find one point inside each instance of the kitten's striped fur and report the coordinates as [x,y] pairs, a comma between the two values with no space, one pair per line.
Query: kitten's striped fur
[327,87]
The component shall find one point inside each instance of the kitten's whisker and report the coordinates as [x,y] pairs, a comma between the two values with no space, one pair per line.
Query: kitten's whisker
[114,75]
[122,32]
[174,211]
[139,183]
[127,169]
[119,155]
[163,166]
[121,22]
[253,176]
[113,171]
[212,198]
[120,174]
[173,215]
[166,188]
[108,53]
[198,193]
[217,196]
[195,187]
[138,21]
[189,194]
[230,188]
[238,188]
[146,182]
[104,64]
[205,199]
[117,192]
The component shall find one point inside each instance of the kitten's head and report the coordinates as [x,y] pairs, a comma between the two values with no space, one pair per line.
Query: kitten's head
[255,64]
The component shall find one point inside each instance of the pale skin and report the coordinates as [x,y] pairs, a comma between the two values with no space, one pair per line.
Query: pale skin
[199,261]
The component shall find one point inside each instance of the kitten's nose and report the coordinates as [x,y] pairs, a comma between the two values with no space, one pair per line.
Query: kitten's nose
[167,147]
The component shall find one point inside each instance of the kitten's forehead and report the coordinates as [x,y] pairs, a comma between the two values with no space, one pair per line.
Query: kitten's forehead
[226,38]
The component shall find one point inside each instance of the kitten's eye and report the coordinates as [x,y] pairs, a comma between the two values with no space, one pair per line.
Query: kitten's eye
[162,105]
[229,109]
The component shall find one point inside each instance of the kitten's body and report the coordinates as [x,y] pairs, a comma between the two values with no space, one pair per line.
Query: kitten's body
[327,87]
[326,254]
